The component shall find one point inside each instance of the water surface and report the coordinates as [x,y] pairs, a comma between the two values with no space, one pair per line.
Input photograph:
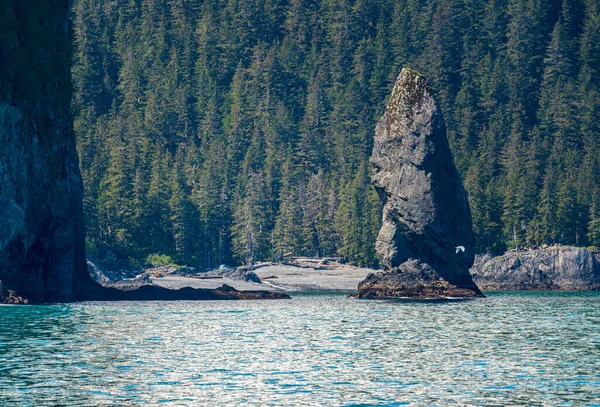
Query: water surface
[508,349]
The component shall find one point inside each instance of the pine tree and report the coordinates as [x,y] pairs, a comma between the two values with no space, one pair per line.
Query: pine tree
[250,237]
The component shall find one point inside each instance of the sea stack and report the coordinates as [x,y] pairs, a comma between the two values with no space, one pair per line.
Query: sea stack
[426,241]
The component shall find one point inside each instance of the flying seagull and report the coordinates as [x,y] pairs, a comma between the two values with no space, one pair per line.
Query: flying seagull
[460,249]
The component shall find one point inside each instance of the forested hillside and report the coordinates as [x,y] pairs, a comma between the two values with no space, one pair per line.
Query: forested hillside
[236,131]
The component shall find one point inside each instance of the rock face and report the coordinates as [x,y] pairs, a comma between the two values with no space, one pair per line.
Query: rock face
[553,268]
[426,214]
[41,218]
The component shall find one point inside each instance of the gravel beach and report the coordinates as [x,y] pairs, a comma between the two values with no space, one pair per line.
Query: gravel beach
[281,278]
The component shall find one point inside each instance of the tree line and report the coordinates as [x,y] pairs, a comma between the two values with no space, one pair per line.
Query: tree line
[235,131]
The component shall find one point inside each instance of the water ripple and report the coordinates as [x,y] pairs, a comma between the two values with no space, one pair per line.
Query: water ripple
[509,349]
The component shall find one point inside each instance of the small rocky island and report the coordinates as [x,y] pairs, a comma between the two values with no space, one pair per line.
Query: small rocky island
[426,240]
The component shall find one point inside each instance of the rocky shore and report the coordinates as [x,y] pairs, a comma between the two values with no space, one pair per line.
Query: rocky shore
[171,282]
[412,279]
[299,274]
[550,268]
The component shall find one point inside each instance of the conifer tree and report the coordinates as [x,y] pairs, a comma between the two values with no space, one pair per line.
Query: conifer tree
[229,131]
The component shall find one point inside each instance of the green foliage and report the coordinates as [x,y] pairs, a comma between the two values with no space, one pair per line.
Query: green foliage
[92,249]
[221,131]
[415,72]
[158,260]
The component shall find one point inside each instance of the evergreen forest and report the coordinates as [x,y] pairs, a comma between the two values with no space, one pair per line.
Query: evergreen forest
[238,131]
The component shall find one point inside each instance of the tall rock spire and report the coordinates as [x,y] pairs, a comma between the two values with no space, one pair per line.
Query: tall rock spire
[426,242]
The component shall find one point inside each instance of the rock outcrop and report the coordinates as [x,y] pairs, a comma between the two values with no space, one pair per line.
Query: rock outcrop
[426,240]
[552,268]
[128,280]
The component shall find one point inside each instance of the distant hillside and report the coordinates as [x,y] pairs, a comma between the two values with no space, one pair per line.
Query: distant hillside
[235,131]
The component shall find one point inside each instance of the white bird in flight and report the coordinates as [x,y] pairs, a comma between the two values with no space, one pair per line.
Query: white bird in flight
[460,248]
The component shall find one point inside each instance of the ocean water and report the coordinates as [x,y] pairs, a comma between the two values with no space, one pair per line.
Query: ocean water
[326,350]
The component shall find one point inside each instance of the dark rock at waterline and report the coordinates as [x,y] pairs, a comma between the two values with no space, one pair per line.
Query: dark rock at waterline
[156,293]
[552,268]
[412,279]
[141,288]
[426,215]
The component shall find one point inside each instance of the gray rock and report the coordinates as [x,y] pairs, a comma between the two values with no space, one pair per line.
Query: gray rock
[552,268]
[98,274]
[42,236]
[426,213]
[236,274]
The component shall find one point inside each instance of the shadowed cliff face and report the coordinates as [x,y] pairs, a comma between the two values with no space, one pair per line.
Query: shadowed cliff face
[426,213]
[42,233]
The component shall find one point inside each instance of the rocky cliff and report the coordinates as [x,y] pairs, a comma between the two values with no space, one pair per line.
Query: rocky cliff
[552,268]
[41,219]
[426,240]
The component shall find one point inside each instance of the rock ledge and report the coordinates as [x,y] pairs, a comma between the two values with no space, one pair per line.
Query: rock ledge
[564,268]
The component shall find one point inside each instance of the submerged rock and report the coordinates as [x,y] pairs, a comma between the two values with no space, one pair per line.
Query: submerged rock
[552,268]
[426,240]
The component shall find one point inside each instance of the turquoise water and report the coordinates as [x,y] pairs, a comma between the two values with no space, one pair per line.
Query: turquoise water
[508,349]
